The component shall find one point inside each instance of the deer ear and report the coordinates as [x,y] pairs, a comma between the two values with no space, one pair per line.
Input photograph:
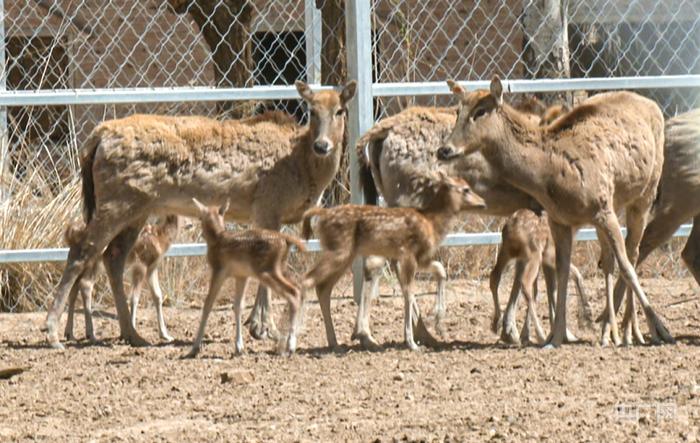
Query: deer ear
[224,208]
[455,88]
[348,92]
[497,89]
[200,207]
[304,90]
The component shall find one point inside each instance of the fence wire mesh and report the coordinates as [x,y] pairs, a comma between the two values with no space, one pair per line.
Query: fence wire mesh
[75,44]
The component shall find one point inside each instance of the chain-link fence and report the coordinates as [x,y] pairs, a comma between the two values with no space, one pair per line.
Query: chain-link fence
[59,45]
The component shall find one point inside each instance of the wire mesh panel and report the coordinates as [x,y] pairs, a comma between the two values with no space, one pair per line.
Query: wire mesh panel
[434,40]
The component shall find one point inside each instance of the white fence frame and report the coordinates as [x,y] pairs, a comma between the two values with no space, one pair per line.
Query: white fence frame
[358,19]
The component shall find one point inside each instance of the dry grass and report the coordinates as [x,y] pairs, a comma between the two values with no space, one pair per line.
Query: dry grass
[34,216]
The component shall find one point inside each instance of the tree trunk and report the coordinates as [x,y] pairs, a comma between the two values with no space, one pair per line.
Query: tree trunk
[546,43]
[333,63]
[225,26]
[334,72]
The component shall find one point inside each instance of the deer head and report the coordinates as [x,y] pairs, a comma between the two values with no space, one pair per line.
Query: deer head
[327,111]
[459,191]
[437,189]
[212,218]
[477,120]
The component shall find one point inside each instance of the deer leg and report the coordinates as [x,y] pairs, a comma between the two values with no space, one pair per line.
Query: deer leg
[86,289]
[610,227]
[325,274]
[659,230]
[494,281]
[607,263]
[550,281]
[100,231]
[509,333]
[691,251]
[585,314]
[529,288]
[373,269]
[563,239]
[636,331]
[406,272]
[115,260]
[138,275]
[637,216]
[157,294]
[218,277]
[278,283]
[440,274]
[238,310]
[420,331]
[628,320]
[72,297]
[260,322]
[86,284]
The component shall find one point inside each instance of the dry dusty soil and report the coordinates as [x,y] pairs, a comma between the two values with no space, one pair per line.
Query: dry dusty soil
[470,389]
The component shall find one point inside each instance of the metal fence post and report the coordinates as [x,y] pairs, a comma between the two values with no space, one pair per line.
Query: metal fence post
[4,136]
[360,111]
[312,37]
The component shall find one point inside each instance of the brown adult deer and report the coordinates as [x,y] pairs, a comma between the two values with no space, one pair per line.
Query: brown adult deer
[678,200]
[526,238]
[146,164]
[257,253]
[400,148]
[409,236]
[143,261]
[604,156]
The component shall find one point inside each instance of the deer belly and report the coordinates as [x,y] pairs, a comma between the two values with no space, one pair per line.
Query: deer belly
[385,243]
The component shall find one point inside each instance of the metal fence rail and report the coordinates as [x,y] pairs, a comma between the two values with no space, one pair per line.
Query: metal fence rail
[200,249]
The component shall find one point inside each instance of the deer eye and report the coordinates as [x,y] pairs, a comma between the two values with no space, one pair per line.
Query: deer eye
[340,112]
[479,113]
[466,190]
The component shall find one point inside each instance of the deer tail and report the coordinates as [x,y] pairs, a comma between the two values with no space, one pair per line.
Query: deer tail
[86,161]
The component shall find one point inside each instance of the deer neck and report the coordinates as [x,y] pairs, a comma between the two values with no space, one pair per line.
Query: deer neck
[211,232]
[518,156]
[441,213]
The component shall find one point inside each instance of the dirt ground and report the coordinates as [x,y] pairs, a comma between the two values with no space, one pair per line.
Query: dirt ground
[471,389]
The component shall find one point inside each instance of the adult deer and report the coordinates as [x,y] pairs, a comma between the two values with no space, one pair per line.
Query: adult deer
[146,164]
[678,200]
[604,156]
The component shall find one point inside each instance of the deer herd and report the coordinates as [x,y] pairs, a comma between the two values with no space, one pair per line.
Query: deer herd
[549,172]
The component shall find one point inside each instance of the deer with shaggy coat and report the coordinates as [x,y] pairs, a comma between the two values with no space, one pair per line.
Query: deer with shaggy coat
[604,156]
[678,200]
[526,238]
[143,260]
[409,236]
[147,164]
[257,253]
